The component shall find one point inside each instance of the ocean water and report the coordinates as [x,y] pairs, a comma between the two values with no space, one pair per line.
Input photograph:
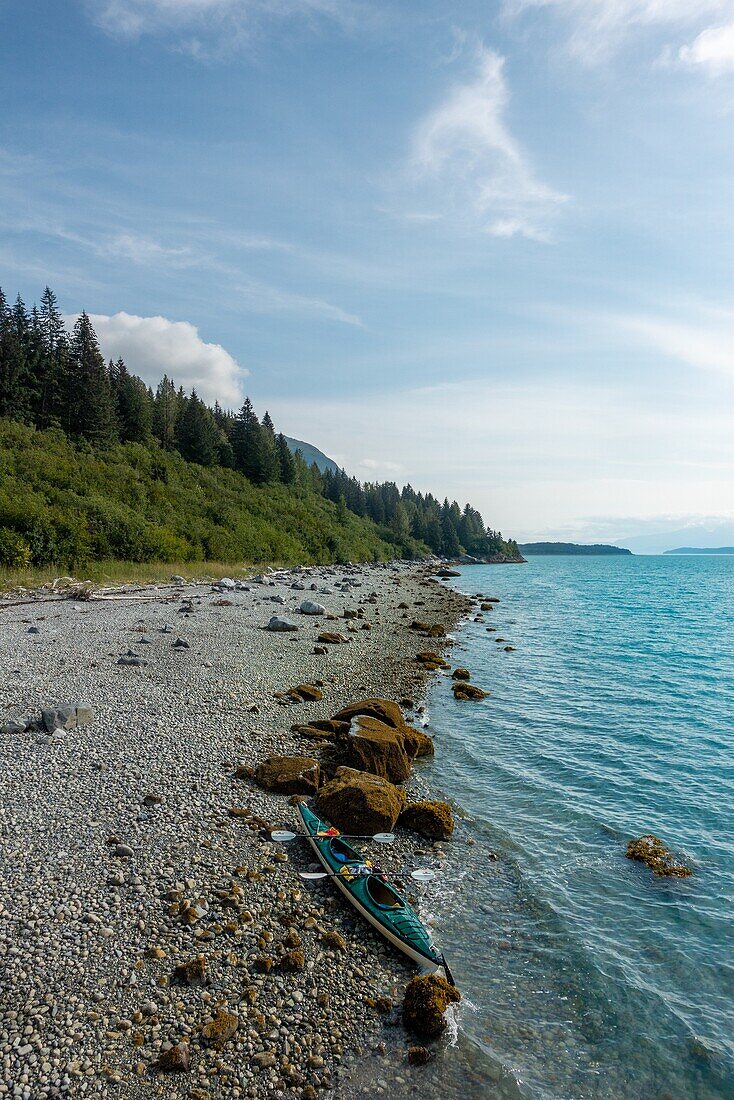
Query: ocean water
[584,975]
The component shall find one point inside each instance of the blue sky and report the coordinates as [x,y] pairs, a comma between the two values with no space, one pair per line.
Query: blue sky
[482,247]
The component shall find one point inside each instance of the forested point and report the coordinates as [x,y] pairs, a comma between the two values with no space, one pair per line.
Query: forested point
[95,464]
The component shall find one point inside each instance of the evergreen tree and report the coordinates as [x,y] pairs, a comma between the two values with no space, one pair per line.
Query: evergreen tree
[270,458]
[248,444]
[52,367]
[134,406]
[165,413]
[88,403]
[13,379]
[286,461]
[198,435]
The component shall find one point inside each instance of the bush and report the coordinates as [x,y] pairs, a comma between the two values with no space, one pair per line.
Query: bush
[15,553]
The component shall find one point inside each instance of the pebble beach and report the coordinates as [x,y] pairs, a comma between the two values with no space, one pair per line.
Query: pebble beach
[144,913]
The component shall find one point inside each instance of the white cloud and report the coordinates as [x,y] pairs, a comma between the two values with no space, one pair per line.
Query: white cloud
[154,346]
[197,26]
[379,465]
[263,298]
[707,344]
[142,250]
[712,50]
[467,162]
[598,27]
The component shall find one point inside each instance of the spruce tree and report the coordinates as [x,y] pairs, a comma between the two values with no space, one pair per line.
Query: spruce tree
[197,433]
[247,444]
[286,461]
[89,401]
[52,369]
[13,379]
[165,413]
[270,459]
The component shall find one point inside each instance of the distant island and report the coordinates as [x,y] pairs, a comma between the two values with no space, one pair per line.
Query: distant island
[541,549]
[701,550]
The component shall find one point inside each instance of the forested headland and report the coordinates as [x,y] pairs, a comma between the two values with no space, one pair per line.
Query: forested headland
[97,465]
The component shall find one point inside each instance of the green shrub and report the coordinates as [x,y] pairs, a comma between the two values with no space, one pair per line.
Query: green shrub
[15,553]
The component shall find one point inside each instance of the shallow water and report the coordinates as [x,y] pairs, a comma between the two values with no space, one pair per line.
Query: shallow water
[584,975]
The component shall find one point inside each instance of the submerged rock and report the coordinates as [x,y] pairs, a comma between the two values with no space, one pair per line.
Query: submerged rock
[434,820]
[463,690]
[357,802]
[651,850]
[426,999]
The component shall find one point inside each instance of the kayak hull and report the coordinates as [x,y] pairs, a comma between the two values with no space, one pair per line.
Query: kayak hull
[399,924]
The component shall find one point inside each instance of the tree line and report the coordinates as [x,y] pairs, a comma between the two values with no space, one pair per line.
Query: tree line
[54,378]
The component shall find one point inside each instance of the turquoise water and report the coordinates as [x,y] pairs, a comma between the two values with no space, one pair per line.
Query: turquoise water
[585,975]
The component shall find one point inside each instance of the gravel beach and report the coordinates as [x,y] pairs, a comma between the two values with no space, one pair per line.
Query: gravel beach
[127,849]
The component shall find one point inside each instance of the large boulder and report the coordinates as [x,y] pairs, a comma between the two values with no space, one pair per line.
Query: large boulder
[426,999]
[384,709]
[357,802]
[289,774]
[387,714]
[417,743]
[372,746]
[431,819]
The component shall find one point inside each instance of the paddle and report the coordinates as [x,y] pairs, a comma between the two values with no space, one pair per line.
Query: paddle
[284,836]
[421,874]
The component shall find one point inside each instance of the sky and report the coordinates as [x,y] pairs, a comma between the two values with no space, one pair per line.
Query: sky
[482,247]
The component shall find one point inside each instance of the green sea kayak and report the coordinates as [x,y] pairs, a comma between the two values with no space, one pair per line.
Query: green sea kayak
[372,894]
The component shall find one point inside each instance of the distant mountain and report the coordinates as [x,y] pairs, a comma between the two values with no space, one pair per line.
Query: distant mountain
[312,454]
[701,550]
[575,549]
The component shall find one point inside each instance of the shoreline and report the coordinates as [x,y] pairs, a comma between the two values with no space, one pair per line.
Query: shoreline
[96,934]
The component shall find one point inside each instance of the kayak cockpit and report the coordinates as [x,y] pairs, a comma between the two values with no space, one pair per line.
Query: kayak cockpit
[343,852]
[382,894]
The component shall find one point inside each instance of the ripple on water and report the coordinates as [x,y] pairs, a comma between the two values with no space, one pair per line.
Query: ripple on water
[587,976]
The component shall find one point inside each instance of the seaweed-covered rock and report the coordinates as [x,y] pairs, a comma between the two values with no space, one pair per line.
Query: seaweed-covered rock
[357,802]
[383,709]
[177,1059]
[426,999]
[218,1031]
[289,774]
[418,743]
[293,960]
[305,693]
[418,1056]
[431,661]
[462,690]
[651,850]
[192,972]
[431,819]
[461,674]
[332,637]
[372,746]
